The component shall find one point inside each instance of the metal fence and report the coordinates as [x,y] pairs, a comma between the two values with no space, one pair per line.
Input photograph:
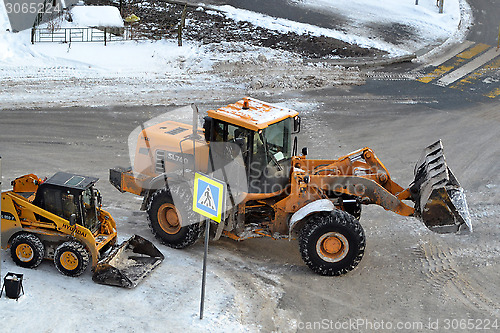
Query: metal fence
[78,35]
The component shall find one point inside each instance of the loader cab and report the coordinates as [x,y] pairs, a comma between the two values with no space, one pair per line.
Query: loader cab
[266,147]
[72,197]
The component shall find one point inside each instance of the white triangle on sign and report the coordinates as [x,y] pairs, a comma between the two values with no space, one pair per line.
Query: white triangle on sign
[207,199]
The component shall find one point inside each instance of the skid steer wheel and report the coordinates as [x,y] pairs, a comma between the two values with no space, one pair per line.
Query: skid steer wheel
[332,243]
[71,258]
[171,217]
[27,250]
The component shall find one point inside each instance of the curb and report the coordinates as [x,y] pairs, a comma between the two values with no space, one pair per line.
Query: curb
[365,62]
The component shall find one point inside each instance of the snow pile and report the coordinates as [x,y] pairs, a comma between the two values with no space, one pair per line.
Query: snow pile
[284,26]
[424,16]
[133,58]
[96,16]
[366,20]
[15,51]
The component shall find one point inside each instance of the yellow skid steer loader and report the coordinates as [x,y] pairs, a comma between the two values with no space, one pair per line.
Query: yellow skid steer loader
[61,219]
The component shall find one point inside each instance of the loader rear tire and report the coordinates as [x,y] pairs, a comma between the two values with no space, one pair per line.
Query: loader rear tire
[174,223]
[71,258]
[332,243]
[27,250]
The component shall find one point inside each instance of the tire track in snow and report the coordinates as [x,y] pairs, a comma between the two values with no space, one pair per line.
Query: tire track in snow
[441,270]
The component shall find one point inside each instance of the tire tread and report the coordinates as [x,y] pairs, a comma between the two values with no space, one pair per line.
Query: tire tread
[35,243]
[191,232]
[337,219]
[77,248]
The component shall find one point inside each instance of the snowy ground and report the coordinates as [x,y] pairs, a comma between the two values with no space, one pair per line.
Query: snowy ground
[160,72]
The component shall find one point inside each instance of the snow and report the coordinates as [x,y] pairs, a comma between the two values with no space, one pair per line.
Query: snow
[4,19]
[258,112]
[321,205]
[96,16]
[423,18]
[167,300]
[159,72]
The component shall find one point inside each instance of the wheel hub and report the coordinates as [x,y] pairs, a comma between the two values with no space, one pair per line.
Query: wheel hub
[24,252]
[69,260]
[168,218]
[332,247]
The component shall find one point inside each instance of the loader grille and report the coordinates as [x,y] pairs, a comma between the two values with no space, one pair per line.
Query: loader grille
[160,161]
[176,131]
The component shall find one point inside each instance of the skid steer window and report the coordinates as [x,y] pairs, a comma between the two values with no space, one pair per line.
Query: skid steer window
[60,202]
[51,201]
[89,209]
[69,205]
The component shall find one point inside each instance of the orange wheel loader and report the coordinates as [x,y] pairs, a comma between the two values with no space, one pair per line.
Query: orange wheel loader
[276,192]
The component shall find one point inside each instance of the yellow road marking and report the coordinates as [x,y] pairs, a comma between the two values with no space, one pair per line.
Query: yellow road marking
[461,57]
[494,93]
[476,75]
[437,73]
[468,54]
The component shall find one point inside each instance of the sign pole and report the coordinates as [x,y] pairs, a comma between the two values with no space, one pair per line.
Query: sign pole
[204,278]
[0,222]
[209,201]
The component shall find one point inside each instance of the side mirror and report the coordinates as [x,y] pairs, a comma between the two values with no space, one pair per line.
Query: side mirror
[72,219]
[296,125]
[304,151]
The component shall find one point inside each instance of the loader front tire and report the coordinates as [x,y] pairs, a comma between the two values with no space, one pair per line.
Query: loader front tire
[332,243]
[27,250]
[71,258]
[174,223]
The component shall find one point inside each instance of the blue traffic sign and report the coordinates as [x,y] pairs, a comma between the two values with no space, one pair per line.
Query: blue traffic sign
[209,195]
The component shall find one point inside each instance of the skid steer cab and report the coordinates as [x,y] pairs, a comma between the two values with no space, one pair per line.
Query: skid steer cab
[274,190]
[61,219]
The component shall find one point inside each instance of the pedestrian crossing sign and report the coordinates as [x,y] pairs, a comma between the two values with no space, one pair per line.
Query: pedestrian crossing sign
[208,196]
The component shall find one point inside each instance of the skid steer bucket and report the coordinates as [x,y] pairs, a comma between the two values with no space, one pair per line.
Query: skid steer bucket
[128,264]
[439,199]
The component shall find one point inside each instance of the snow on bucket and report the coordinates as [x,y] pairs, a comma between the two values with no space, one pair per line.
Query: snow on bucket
[128,264]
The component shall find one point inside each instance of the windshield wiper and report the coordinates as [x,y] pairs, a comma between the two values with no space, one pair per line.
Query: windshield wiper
[280,168]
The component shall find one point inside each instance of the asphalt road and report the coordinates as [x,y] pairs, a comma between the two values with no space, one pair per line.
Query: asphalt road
[408,273]
[486,22]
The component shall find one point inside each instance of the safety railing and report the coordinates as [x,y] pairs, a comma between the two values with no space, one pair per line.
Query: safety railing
[80,35]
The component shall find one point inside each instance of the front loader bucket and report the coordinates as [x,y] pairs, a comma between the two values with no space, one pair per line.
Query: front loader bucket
[128,264]
[439,199]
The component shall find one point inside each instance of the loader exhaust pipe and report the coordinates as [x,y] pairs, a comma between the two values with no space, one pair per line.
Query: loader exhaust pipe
[128,264]
[439,199]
